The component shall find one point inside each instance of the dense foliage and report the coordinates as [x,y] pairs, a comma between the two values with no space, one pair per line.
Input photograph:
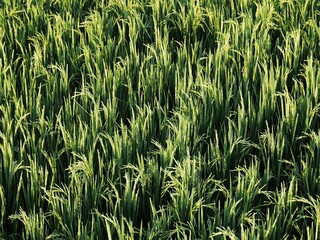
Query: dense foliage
[159,119]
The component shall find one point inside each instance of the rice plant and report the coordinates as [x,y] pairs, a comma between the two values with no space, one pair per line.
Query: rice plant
[157,119]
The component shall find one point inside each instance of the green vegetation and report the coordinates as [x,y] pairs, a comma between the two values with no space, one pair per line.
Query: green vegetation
[159,119]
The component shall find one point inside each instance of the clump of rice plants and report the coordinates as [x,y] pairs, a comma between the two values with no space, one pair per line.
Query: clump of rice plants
[157,119]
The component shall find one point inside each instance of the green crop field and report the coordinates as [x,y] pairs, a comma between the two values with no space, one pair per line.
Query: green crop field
[160,119]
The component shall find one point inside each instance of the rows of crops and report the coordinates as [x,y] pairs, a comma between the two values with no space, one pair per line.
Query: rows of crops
[159,119]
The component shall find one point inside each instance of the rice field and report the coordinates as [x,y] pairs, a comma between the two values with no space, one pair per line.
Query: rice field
[159,119]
